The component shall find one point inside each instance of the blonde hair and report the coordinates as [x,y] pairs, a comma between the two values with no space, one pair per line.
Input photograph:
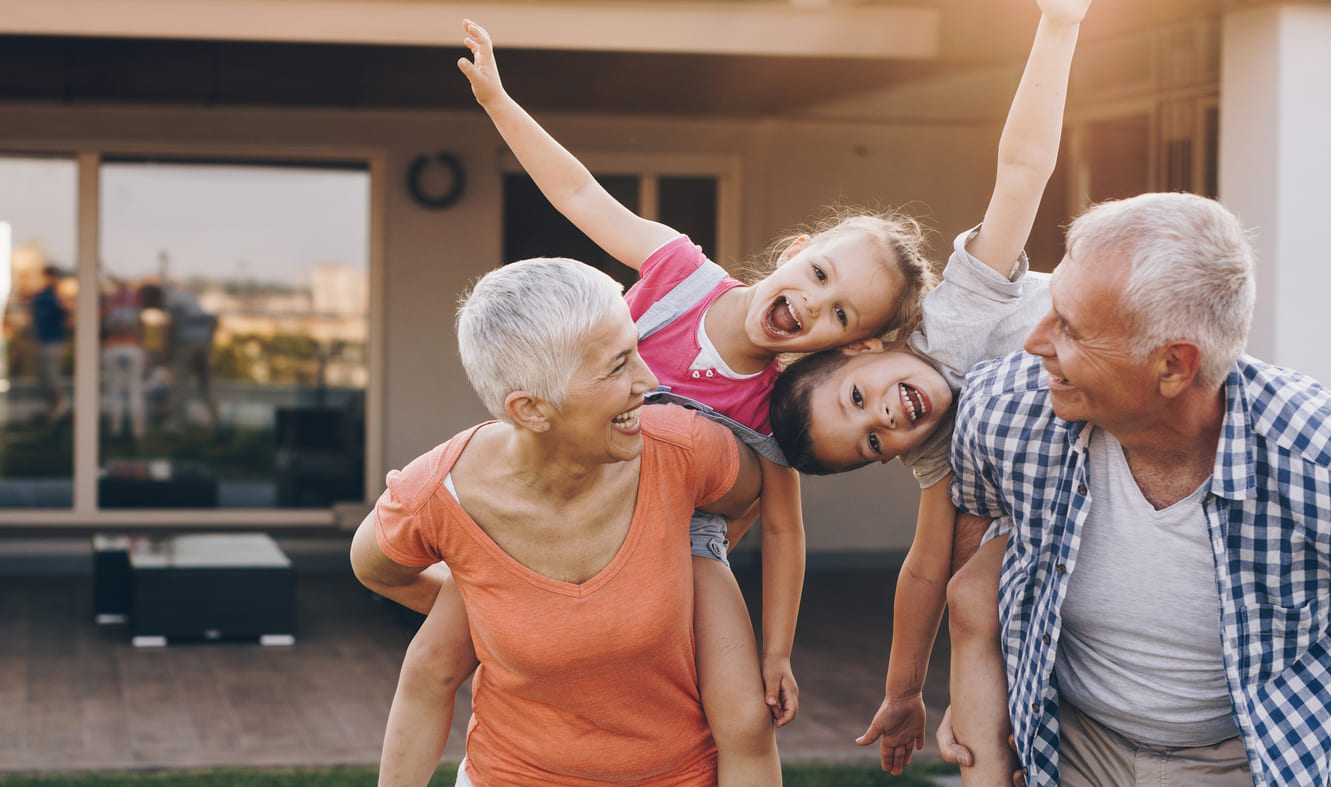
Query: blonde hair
[900,242]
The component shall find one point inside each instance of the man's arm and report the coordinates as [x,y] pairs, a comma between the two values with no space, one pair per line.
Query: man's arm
[563,179]
[967,536]
[1028,148]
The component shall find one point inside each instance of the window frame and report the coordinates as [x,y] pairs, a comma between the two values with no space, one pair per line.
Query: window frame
[87,375]
[650,168]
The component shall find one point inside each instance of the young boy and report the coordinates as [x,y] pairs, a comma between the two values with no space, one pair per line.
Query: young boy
[839,410]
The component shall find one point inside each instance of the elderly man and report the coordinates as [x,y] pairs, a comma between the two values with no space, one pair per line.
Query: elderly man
[1166,584]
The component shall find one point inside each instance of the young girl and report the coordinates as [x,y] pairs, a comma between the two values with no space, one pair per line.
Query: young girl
[835,411]
[715,342]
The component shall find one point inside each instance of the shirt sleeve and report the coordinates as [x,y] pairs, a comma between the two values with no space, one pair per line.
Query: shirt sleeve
[661,271]
[975,487]
[929,461]
[409,518]
[716,454]
[958,315]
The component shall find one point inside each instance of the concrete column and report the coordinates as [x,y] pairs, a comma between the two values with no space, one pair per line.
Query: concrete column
[1275,172]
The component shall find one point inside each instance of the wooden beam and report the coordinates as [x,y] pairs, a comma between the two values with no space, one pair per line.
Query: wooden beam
[742,28]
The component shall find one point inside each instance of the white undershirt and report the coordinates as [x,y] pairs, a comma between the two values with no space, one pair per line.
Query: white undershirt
[1139,650]
[709,359]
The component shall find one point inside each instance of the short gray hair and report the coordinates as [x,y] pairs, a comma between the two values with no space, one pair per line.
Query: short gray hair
[1192,275]
[523,327]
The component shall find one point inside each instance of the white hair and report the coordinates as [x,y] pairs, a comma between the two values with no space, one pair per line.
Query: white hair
[1192,275]
[523,327]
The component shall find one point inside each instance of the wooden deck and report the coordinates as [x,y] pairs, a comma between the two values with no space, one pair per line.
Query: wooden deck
[74,695]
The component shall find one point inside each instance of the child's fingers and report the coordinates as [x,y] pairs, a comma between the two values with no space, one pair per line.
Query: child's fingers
[900,756]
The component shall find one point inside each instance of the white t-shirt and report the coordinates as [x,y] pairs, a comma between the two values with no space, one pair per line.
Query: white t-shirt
[973,315]
[1140,650]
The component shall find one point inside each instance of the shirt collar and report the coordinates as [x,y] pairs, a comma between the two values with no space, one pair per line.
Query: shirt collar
[1235,473]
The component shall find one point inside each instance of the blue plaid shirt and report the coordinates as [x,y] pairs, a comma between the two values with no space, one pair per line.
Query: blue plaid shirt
[1269,512]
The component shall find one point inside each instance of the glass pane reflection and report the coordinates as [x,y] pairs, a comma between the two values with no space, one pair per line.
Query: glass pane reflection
[234,308]
[37,237]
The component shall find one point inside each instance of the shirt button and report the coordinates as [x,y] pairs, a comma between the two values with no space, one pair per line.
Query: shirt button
[697,374]
[709,372]
[1045,639]
[1035,707]
[1081,489]
[1061,569]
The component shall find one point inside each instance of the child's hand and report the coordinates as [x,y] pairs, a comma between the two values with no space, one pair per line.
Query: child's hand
[1068,12]
[483,73]
[783,694]
[900,725]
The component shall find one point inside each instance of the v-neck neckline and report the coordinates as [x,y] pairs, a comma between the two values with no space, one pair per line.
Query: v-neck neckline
[525,572]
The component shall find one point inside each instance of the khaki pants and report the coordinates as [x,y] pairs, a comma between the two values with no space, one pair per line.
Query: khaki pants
[1091,754]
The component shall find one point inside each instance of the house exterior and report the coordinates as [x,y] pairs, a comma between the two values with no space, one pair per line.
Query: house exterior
[315,179]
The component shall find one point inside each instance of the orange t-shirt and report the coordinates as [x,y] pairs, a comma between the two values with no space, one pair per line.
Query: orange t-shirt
[589,684]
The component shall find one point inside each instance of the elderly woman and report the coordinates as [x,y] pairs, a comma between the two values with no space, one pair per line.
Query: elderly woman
[566,527]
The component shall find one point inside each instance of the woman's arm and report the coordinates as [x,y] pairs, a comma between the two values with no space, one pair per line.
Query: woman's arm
[414,587]
[920,597]
[563,179]
[783,585]
[735,503]
[1028,148]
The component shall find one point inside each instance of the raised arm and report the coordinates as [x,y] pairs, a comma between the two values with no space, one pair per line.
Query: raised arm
[783,585]
[1028,148]
[563,179]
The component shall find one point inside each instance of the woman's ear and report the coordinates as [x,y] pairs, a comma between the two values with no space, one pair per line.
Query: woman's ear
[792,249]
[527,411]
[870,345]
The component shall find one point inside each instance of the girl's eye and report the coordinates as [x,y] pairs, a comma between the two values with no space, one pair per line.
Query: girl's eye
[841,315]
[873,443]
[819,275]
[855,397]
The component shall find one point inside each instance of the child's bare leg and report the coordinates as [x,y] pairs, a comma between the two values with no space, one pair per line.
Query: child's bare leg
[730,680]
[979,681]
[439,660]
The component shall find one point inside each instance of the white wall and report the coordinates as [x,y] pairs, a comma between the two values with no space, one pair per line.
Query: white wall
[1274,166]
[789,169]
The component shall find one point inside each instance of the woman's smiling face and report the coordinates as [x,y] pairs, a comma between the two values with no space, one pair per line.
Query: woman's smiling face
[599,416]
[878,405]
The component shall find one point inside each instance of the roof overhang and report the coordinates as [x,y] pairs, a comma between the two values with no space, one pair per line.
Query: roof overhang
[805,28]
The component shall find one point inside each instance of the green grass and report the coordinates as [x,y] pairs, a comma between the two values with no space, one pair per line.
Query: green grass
[795,776]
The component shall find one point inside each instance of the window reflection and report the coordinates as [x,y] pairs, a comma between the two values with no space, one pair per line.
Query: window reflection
[234,324]
[37,237]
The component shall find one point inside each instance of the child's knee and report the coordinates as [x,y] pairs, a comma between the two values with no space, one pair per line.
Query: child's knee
[972,604]
[743,728]
[437,658]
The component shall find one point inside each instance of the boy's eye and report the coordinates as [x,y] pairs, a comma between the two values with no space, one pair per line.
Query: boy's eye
[873,443]
[841,315]
[855,397]
[819,275]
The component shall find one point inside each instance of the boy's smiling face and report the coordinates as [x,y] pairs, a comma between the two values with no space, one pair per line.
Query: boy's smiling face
[879,404]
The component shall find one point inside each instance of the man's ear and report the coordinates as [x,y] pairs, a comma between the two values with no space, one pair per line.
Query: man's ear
[870,345]
[527,411]
[1179,362]
[792,249]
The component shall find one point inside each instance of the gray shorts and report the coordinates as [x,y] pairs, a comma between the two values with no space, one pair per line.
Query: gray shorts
[707,535]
